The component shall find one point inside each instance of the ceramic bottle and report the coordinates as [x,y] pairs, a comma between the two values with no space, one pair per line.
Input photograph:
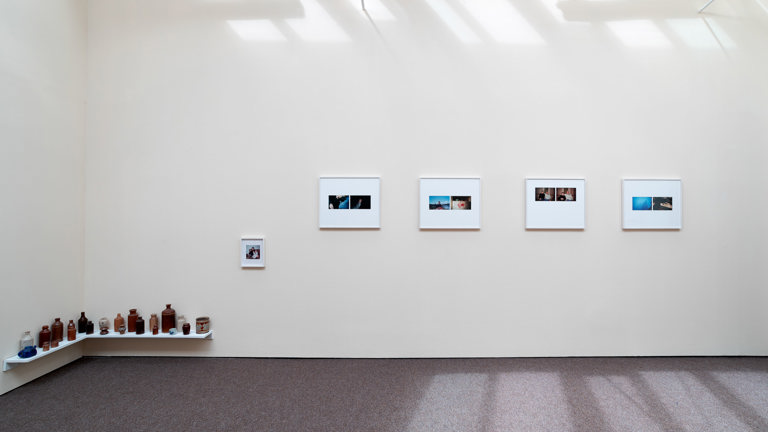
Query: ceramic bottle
[57,332]
[139,325]
[71,331]
[44,336]
[180,322]
[119,321]
[26,340]
[185,328]
[89,327]
[153,321]
[168,318]
[132,316]
[82,323]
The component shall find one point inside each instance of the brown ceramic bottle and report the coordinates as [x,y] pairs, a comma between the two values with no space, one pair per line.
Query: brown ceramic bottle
[82,323]
[71,331]
[185,328]
[119,321]
[169,318]
[132,316]
[153,321]
[154,329]
[44,336]
[57,330]
[139,325]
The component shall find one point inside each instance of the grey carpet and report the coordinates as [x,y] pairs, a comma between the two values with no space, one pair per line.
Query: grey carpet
[227,394]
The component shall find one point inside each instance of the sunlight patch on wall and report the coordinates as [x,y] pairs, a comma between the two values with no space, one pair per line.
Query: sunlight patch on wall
[639,34]
[257,30]
[694,33]
[317,25]
[453,21]
[502,21]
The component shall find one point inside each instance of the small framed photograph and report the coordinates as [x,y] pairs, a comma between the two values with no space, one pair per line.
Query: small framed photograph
[652,204]
[349,202]
[252,252]
[449,203]
[554,203]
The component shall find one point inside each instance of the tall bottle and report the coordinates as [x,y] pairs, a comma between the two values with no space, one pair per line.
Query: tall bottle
[153,321]
[132,316]
[82,323]
[169,318]
[119,321]
[44,336]
[71,331]
[57,332]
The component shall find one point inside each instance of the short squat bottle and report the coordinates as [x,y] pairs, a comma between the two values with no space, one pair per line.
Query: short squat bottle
[139,325]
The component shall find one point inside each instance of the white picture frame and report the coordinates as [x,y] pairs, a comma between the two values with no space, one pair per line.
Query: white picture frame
[349,202]
[462,209]
[652,204]
[555,203]
[252,252]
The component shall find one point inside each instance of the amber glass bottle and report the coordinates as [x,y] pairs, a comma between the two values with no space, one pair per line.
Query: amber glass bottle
[82,323]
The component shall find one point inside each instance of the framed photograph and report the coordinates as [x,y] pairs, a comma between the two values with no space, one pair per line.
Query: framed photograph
[252,252]
[449,203]
[652,204]
[554,203]
[349,202]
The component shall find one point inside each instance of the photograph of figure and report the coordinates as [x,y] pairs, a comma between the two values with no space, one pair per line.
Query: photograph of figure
[641,203]
[360,202]
[545,194]
[566,194]
[439,202]
[254,252]
[338,202]
[461,203]
[662,203]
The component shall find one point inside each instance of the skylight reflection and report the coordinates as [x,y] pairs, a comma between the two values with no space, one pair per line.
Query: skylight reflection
[317,25]
[257,30]
[453,21]
[452,402]
[374,9]
[639,34]
[502,21]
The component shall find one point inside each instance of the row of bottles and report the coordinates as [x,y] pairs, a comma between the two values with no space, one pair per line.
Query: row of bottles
[51,335]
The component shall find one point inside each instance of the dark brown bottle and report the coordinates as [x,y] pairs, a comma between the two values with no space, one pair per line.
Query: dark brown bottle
[89,327]
[185,328]
[132,316]
[44,336]
[154,329]
[71,331]
[57,331]
[139,325]
[82,323]
[169,318]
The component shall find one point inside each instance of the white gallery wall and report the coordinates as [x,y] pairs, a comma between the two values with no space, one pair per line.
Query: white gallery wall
[209,120]
[42,125]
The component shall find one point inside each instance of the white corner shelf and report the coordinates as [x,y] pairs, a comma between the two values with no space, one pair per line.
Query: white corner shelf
[14,361]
